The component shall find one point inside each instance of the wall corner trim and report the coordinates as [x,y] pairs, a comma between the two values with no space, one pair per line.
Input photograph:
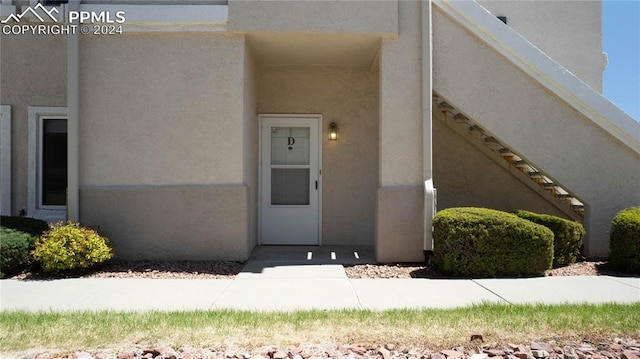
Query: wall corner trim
[5,160]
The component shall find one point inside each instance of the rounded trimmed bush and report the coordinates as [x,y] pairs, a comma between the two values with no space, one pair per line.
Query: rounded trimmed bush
[71,246]
[29,225]
[568,236]
[15,251]
[480,242]
[624,243]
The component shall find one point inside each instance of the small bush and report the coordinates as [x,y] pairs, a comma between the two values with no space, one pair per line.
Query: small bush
[568,236]
[33,226]
[15,251]
[480,242]
[624,241]
[70,246]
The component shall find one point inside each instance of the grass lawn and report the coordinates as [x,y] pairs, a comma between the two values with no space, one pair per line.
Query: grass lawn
[432,328]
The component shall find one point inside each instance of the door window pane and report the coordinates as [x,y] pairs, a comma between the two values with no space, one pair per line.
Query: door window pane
[290,186]
[54,162]
[290,145]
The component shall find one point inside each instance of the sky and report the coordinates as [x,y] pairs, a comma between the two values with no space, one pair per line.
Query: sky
[621,42]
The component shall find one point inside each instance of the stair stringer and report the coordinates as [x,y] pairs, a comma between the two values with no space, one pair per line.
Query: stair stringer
[445,116]
[594,154]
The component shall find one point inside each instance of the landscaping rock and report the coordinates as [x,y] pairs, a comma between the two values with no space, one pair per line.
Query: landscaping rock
[386,354]
[523,355]
[82,355]
[618,349]
[105,355]
[126,355]
[539,353]
[359,350]
[153,352]
[628,354]
[541,346]
[452,353]
[494,352]
[476,337]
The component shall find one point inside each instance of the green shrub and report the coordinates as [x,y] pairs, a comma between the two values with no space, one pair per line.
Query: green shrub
[15,251]
[624,241]
[71,246]
[32,226]
[18,236]
[480,242]
[567,236]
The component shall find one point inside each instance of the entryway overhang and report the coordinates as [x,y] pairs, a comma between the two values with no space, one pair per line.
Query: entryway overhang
[316,49]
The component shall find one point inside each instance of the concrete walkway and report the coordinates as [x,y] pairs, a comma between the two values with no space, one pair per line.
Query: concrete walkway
[268,283]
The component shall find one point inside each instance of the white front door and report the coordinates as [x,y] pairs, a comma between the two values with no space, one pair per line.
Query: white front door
[290,179]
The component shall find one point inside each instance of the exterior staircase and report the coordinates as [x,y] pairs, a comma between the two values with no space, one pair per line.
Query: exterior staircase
[543,120]
[500,151]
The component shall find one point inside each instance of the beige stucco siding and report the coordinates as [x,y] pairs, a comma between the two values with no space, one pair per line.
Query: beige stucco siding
[161,109]
[170,223]
[33,73]
[399,221]
[372,17]
[167,144]
[399,200]
[348,96]
[401,103]
[250,146]
[570,32]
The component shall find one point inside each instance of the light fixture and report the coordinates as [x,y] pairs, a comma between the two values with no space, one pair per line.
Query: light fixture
[333,131]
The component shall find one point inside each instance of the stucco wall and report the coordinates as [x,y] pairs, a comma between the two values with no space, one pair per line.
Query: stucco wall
[161,109]
[250,147]
[399,200]
[348,96]
[553,136]
[570,32]
[401,103]
[170,223]
[376,17]
[33,72]
[399,221]
[164,170]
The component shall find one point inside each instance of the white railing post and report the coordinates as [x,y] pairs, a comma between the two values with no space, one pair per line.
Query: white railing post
[427,136]
[430,208]
[73,127]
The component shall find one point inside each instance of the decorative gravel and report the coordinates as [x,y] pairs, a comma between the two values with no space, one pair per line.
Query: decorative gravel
[153,270]
[617,348]
[418,270]
[228,270]
[584,267]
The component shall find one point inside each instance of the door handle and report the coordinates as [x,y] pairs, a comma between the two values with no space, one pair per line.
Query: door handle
[316,185]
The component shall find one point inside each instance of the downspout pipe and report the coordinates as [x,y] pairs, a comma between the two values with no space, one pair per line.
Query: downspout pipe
[73,124]
[427,135]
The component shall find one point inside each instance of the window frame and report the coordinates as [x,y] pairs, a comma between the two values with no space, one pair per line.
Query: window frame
[35,208]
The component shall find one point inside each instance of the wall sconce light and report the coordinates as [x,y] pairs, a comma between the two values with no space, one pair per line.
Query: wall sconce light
[333,131]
